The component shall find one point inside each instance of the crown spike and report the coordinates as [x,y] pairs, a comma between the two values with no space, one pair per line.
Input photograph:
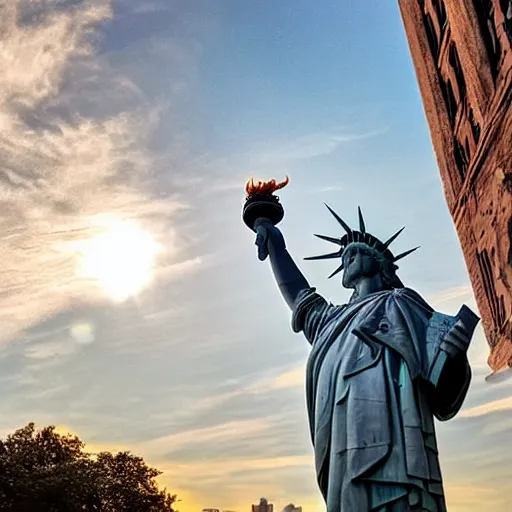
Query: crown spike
[337,271]
[329,256]
[343,224]
[404,254]
[362,227]
[331,239]
[390,240]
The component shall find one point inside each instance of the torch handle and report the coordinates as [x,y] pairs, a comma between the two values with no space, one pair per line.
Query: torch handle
[261,226]
[269,239]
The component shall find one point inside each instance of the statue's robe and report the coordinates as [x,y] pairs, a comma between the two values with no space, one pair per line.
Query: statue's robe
[371,399]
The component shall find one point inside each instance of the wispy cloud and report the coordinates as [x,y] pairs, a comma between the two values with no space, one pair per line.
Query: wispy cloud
[458,295]
[208,435]
[327,189]
[50,350]
[462,498]
[280,380]
[274,156]
[499,376]
[504,404]
[290,379]
[312,145]
[62,170]
[230,466]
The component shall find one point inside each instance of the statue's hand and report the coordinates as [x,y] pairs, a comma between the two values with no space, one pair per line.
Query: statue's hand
[459,337]
[268,238]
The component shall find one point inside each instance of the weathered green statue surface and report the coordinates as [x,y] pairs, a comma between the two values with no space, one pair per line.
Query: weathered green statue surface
[380,369]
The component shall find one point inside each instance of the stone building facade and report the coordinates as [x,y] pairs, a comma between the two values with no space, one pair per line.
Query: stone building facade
[462,53]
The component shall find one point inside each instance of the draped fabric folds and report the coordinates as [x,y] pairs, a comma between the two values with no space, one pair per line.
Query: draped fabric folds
[371,403]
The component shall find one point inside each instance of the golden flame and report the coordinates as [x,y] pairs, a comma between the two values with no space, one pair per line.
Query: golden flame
[264,187]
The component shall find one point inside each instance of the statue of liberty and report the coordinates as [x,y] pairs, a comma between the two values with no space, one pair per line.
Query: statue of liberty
[380,369]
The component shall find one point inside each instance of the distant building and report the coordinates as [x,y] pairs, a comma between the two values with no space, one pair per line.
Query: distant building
[264,506]
[292,508]
[462,53]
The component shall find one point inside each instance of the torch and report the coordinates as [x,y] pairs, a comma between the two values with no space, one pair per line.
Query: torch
[262,203]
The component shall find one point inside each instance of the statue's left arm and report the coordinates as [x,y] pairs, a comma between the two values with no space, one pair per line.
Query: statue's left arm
[433,345]
[449,373]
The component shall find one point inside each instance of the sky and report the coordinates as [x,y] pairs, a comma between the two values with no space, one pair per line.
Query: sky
[134,311]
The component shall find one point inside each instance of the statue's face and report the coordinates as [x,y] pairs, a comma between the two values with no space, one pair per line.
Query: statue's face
[358,263]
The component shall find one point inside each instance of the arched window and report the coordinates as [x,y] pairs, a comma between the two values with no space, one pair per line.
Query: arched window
[453,59]
[431,36]
[475,127]
[449,98]
[506,7]
[485,13]
[460,158]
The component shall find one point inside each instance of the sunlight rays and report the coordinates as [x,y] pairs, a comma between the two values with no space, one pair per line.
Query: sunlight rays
[120,259]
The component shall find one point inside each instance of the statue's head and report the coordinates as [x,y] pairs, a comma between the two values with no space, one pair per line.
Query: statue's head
[359,261]
[363,256]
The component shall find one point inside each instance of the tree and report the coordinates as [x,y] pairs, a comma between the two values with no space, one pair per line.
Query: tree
[43,471]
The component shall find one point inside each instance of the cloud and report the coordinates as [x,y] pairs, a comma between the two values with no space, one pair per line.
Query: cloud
[36,52]
[504,404]
[63,170]
[278,381]
[227,174]
[327,189]
[219,470]
[50,349]
[500,376]
[467,498]
[312,145]
[236,483]
[229,431]
[452,297]
[149,6]
[290,379]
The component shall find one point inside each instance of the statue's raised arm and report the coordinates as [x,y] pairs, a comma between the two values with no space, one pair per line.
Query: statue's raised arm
[262,212]
[289,278]
[381,368]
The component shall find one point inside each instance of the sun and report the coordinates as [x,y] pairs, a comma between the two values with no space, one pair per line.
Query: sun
[120,259]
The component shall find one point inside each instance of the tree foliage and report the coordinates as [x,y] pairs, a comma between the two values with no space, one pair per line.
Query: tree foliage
[43,471]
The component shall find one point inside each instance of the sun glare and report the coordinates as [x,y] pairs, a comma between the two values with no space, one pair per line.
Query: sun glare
[121,259]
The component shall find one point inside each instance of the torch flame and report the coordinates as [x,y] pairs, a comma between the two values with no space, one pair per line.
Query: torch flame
[264,187]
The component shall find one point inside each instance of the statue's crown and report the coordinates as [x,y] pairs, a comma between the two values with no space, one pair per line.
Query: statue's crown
[360,238]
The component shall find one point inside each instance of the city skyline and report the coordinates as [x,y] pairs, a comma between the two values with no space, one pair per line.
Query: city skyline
[288,508]
[135,312]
